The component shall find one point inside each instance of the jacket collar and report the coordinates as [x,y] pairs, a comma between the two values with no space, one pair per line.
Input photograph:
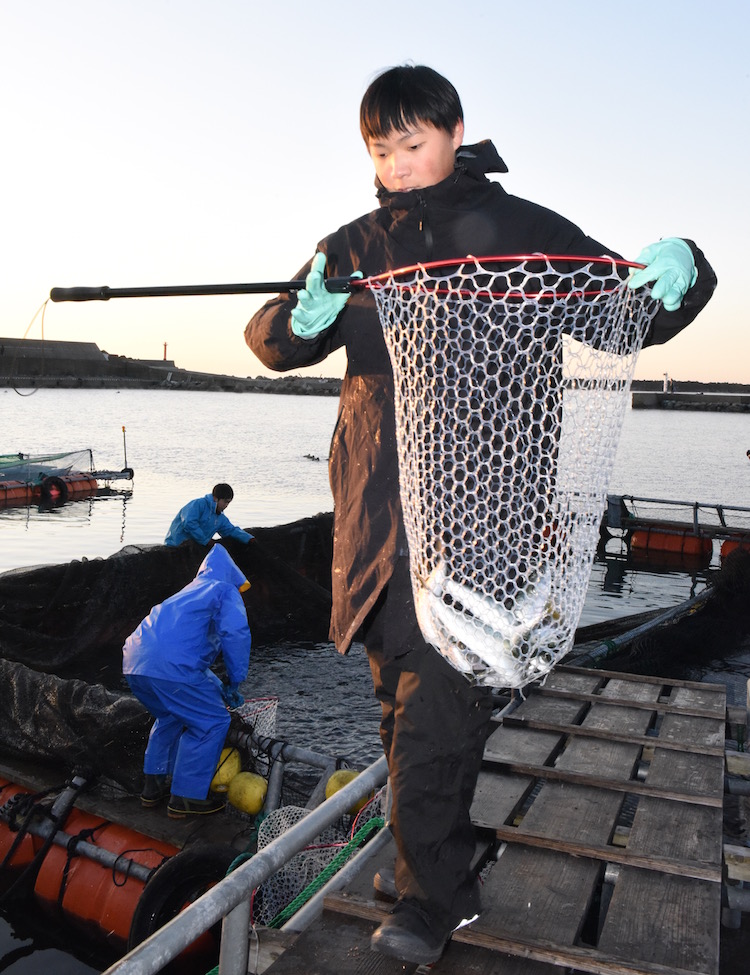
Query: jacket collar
[475,161]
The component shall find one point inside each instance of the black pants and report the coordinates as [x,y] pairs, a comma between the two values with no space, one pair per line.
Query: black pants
[433,728]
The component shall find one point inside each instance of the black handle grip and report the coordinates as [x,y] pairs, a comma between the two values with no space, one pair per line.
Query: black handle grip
[336,285]
[80,294]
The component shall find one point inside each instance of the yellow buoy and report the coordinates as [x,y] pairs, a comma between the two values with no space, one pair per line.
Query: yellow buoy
[338,780]
[229,765]
[247,792]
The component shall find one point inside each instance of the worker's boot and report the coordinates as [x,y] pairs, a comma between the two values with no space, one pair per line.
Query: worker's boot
[155,788]
[181,806]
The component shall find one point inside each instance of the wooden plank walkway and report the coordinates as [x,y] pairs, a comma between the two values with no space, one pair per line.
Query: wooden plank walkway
[606,793]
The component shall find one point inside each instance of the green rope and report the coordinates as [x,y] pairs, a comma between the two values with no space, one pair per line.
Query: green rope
[338,861]
[377,822]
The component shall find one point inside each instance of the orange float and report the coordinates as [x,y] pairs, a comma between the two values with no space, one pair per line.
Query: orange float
[92,897]
[13,492]
[682,543]
[101,898]
[730,544]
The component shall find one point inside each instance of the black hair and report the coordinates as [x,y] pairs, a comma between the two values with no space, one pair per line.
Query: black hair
[405,96]
[223,492]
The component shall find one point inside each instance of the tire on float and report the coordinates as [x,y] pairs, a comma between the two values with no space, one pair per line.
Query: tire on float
[56,483]
[174,885]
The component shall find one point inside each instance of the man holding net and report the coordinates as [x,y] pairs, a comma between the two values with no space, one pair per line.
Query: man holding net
[436,203]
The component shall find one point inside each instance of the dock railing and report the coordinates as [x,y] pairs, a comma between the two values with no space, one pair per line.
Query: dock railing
[229,900]
[626,512]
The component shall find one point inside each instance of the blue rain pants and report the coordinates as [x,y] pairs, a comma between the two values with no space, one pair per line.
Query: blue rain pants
[189,732]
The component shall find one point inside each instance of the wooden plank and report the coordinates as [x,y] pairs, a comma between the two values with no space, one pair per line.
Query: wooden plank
[664,681]
[738,763]
[621,689]
[661,706]
[737,860]
[693,732]
[588,756]
[541,895]
[528,747]
[581,681]
[613,854]
[554,710]
[675,924]
[699,775]
[678,830]
[676,743]
[497,798]
[336,944]
[618,785]
[628,721]
[572,812]
[707,697]
[463,959]
[582,958]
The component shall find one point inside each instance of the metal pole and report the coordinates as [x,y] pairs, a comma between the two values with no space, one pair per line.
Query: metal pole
[313,908]
[608,648]
[164,945]
[235,942]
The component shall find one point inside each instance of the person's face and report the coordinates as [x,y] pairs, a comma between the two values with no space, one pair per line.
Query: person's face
[221,505]
[413,160]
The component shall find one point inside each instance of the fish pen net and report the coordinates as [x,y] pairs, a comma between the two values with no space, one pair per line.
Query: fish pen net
[511,380]
[62,628]
[35,467]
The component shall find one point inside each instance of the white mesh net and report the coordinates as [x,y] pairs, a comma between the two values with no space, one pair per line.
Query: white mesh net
[511,381]
[278,892]
[258,714]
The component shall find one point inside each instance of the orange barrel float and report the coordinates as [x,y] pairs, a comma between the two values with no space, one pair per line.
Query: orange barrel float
[13,492]
[659,541]
[95,899]
[730,544]
[104,900]
[80,483]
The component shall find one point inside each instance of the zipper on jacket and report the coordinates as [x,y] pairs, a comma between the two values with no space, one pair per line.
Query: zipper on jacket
[424,226]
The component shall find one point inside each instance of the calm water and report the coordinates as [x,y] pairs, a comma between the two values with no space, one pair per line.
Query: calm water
[180,444]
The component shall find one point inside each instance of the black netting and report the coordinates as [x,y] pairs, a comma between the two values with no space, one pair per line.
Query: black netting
[62,628]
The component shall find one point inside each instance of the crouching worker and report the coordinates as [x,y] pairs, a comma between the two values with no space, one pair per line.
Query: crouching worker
[167,663]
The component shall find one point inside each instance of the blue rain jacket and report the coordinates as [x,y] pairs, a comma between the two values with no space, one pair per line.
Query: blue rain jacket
[181,637]
[198,520]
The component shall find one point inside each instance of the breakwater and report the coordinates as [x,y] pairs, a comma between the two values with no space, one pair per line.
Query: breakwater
[29,363]
[707,397]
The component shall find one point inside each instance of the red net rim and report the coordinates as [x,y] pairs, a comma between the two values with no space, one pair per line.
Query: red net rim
[506,262]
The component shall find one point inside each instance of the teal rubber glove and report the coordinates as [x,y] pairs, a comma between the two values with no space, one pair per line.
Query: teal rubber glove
[316,307]
[232,697]
[670,264]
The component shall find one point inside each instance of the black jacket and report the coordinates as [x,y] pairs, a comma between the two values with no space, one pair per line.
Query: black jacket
[464,214]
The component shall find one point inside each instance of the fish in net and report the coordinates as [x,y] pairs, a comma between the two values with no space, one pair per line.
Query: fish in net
[511,381]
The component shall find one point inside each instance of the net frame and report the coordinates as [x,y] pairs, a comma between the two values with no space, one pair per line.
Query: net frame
[511,377]
[258,715]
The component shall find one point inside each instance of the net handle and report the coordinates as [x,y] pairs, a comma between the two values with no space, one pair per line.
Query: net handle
[337,285]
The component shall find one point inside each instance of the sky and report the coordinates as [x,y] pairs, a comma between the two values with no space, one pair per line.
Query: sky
[173,142]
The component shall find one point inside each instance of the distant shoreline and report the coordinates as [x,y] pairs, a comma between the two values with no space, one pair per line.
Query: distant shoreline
[34,363]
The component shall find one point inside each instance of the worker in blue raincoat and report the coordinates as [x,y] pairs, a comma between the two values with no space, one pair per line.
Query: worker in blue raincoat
[167,663]
[204,517]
